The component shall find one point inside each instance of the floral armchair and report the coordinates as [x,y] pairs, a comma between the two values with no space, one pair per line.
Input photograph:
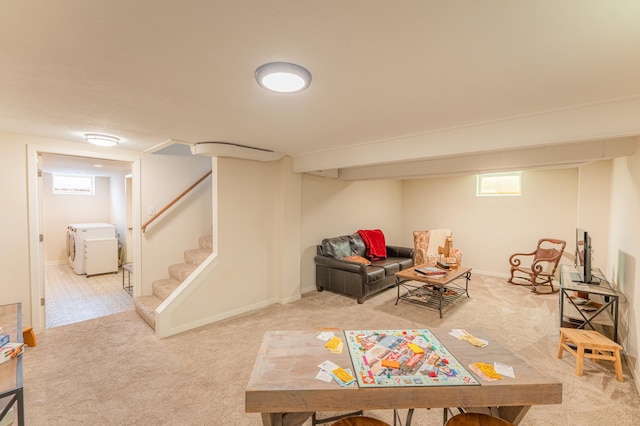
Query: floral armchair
[434,245]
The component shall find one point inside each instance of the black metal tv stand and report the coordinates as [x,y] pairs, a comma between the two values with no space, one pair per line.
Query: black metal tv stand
[598,311]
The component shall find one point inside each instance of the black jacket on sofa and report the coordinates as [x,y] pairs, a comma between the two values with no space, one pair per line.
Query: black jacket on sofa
[353,278]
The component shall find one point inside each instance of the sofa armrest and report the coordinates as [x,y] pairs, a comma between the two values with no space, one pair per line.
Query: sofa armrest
[332,262]
[395,251]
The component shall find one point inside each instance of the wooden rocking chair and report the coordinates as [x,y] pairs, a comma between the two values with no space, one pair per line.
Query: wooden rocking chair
[538,267]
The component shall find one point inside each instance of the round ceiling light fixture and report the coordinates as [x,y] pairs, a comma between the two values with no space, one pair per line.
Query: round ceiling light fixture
[101,140]
[283,77]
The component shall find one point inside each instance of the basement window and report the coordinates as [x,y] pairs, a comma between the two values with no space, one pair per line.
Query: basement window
[498,184]
[72,184]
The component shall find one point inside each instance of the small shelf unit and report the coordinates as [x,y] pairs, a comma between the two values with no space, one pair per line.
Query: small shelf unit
[597,311]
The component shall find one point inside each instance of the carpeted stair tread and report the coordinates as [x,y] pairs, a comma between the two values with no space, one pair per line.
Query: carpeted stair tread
[180,271]
[146,307]
[164,287]
[206,242]
[196,256]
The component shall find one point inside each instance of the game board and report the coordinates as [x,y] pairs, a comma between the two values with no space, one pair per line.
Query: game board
[403,358]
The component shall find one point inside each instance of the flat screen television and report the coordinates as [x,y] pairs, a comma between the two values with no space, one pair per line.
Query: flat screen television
[583,258]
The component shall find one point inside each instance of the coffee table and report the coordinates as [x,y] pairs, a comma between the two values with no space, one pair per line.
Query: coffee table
[434,291]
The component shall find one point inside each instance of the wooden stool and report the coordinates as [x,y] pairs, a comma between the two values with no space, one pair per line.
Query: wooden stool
[28,336]
[359,421]
[600,346]
[476,419]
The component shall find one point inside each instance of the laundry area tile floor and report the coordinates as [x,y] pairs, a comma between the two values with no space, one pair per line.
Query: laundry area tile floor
[73,298]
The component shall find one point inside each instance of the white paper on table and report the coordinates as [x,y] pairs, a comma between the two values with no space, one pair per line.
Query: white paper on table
[504,370]
[458,332]
[328,366]
[326,335]
[324,376]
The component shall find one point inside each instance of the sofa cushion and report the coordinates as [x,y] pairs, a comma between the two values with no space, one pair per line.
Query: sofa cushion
[389,265]
[357,259]
[337,247]
[404,262]
[374,273]
[358,248]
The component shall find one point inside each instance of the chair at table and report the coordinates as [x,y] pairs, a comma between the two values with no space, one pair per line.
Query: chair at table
[315,420]
[538,267]
[360,421]
[476,419]
[430,244]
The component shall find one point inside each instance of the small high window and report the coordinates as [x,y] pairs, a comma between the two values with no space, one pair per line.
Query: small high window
[497,184]
[70,184]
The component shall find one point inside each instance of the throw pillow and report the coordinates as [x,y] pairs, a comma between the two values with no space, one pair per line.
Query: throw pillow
[357,245]
[337,247]
[358,259]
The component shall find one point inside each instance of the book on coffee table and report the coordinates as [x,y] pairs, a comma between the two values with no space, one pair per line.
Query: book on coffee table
[431,270]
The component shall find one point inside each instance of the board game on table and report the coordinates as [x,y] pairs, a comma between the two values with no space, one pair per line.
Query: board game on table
[386,358]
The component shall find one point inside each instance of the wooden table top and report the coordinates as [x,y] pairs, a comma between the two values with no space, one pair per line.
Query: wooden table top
[283,379]
[452,274]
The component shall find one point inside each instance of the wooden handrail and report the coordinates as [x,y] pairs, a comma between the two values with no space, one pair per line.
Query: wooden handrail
[175,200]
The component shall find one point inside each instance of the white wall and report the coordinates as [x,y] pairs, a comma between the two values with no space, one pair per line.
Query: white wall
[489,229]
[331,208]
[624,243]
[251,270]
[59,210]
[594,197]
[165,177]
[14,250]
[249,251]
[118,206]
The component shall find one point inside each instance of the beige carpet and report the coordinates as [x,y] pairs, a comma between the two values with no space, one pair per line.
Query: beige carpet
[73,298]
[114,371]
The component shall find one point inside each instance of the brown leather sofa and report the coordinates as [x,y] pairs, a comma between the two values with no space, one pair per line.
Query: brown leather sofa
[352,278]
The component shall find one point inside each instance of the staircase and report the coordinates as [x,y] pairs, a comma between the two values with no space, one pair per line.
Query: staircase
[146,306]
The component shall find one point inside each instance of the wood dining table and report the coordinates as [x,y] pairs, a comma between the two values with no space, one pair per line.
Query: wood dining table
[284,389]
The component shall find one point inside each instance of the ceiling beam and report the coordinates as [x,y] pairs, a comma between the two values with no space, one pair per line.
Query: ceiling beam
[615,119]
[552,156]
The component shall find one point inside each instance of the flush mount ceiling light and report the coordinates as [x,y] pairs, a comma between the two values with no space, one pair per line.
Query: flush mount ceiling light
[283,77]
[101,140]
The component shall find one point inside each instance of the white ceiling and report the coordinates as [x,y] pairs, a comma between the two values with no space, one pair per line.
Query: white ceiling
[392,80]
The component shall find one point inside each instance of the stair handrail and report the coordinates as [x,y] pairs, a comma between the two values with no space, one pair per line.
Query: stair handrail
[175,200]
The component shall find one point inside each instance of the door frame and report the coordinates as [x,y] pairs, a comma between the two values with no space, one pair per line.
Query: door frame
[36,257]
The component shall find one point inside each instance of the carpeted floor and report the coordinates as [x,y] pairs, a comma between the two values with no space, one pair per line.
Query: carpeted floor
[114,371]
[73,298]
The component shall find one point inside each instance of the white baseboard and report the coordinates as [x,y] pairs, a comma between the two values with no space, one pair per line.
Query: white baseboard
[307,289]
[56,262]
[490,273]
[290,299]
[215,318]
[310,288]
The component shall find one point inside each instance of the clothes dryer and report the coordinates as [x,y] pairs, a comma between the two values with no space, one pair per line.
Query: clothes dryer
[77,233]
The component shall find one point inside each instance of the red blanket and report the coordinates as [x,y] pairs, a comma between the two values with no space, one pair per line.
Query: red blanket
[374,241]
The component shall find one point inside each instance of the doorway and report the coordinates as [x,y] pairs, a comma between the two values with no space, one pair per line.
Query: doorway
[72,295]
[79,297]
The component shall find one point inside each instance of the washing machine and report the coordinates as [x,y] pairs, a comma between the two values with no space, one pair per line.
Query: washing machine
[77,233]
